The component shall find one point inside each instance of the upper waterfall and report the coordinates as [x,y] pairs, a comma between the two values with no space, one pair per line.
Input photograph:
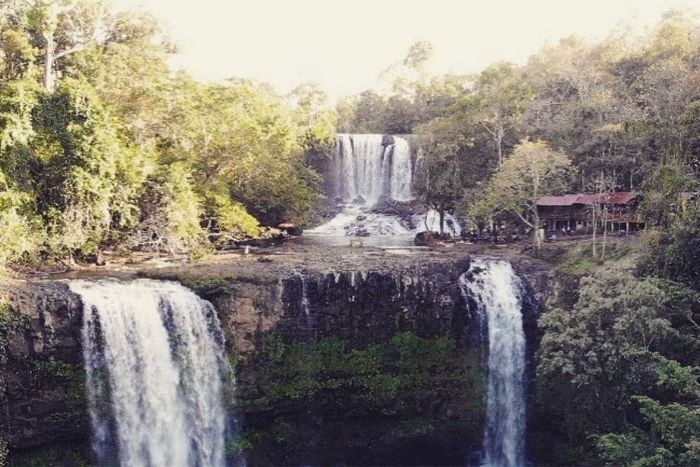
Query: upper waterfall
[153,356]
[372,166]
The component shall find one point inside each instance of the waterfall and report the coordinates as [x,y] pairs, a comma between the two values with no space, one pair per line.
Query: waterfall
[496,290]
[306,304]
[366,166]
[401,173]
[154,359]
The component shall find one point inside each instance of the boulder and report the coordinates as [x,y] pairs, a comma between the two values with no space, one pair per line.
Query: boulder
[422,239]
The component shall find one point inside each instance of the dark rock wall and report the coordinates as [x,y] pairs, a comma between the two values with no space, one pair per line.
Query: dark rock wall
[43,400]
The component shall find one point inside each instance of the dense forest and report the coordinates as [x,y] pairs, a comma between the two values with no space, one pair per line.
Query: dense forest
[104,147]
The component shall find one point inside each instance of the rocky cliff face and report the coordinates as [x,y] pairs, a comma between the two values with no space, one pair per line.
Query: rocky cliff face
[360,366]
[281,329]
[42,377]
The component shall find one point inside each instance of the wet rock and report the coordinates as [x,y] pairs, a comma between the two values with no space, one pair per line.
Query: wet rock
[295,231]
[359,199]
[425,239]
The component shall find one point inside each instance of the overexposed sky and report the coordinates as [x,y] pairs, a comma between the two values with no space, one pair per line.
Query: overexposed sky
[345,45]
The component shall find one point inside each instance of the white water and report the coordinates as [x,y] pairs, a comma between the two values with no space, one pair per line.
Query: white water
[401,172]
[364,167]
[153,351]
[355,218]
[496,289]
[431,220]
[347,223]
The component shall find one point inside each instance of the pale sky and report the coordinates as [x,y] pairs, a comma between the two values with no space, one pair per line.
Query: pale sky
[345,45]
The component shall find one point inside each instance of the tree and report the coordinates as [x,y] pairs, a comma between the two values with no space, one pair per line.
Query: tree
[170,213]
[675,253]
[316,124]
[664,191]
[499,102]
[672,440]
[604,187]
[533,170]
[66,27]
[418,55]
[627,336]
[240,141]
[442,173]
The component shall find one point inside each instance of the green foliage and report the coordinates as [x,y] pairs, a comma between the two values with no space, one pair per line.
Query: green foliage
[447,168]
[580,265]
[414,427]
[673,253]
[406,368]
[533,170]
[106,147]
[242,442]
[283,431]
[627,337]
[201,283]
[170,211]
[77,456]
[84,195]
[53,368]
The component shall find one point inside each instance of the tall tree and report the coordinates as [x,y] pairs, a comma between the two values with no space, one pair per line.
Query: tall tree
[499,101]
[533,170]
[66,27]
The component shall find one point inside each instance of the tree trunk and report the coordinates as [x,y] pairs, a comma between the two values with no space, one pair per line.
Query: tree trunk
[499,142]
[605,231]
[538,239]
[595,230]
[49,53]
[441,211]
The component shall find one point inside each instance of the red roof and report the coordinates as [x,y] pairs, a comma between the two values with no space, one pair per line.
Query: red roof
[566,200]
[620,197]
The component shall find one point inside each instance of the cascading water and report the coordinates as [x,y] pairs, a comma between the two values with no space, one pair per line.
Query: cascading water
[401,172]
[368,167]
[154,361]
[496,289]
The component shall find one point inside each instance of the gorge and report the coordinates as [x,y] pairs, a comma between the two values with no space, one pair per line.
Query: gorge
[377,362]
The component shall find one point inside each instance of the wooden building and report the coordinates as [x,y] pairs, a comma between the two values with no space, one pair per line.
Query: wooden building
[616,211]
